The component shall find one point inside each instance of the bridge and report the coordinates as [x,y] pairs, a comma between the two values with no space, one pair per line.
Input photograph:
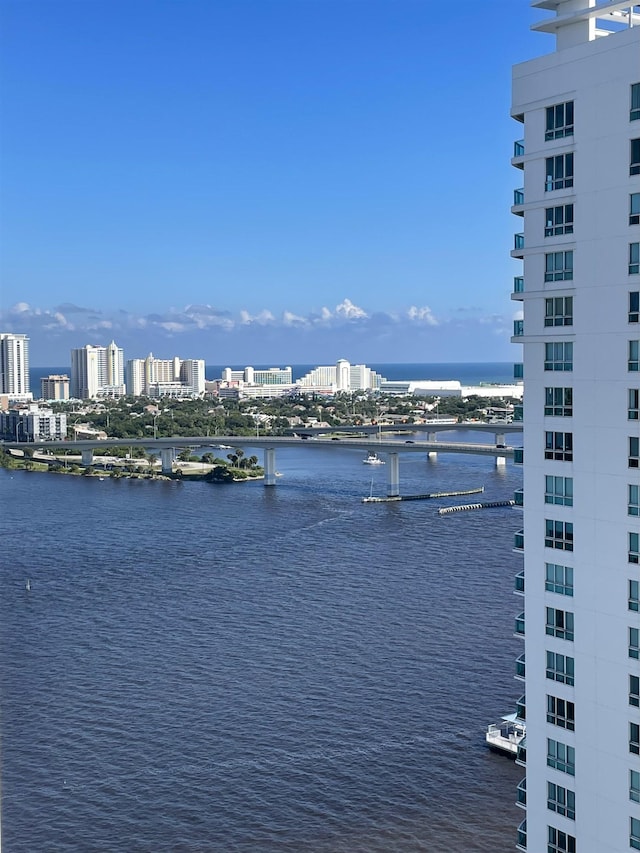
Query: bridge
[392,447]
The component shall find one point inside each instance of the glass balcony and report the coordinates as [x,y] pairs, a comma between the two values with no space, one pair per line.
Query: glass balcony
[518,541]
[518,284]
[518,241]
[518,454]
[518,497]
[518,328]
[520,668]
[521,755]
[518,370]
[519,625]
[518,148]
[518,197]
[521,709]
[521,793]
[521,843]
[518,586]
[518,412]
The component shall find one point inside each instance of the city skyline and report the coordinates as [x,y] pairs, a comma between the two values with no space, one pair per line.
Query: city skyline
[260,180]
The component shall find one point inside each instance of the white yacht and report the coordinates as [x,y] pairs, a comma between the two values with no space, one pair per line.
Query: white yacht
[506,735]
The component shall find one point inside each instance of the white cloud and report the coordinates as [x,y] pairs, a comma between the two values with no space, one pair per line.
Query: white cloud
[263,318]
[290,319]
[422,315]
[348,311]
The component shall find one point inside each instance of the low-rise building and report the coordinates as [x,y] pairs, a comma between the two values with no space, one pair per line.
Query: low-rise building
[33,424]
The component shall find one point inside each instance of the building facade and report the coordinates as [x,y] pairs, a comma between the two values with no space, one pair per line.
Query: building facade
[97,371]
[165,377]
[580,289]
[342,376]
[33,424]
[54,387]
[14,366]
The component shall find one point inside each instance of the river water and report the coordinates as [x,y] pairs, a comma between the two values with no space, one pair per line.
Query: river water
[206,667]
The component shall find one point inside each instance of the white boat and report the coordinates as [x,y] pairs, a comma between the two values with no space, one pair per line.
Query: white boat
[506,735]
[373,459]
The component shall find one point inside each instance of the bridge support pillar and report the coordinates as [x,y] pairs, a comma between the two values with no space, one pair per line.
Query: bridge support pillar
[432,436]
[166,454]
[393,486]
[501,461]
[87,457]
[269,466]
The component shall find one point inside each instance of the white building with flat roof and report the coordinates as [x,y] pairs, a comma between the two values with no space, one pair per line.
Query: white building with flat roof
[33,424]
[165,377]
[54,387]
[14,366]
[579,238]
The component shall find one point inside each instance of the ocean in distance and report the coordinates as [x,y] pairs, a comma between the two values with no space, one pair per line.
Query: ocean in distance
[468,373]
[236,668]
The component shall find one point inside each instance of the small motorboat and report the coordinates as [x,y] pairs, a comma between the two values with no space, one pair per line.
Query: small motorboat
[373,459]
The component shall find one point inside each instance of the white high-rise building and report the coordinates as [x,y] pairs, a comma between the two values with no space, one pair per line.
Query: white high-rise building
[342,376]
[14,366]
[580,291]
[97,372]
[165,377]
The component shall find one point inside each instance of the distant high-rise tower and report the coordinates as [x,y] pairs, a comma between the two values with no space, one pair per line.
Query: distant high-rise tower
[97,372]
[580,291]
[165,377]
[14,366]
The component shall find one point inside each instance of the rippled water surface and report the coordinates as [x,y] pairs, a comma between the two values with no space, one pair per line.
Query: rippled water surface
[234,668]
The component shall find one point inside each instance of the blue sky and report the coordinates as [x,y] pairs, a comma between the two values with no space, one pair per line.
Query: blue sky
[261,181]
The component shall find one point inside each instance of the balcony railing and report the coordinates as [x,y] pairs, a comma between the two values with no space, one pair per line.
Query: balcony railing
[521,709]
[521,755]
[518,328]
[518,197]
[518,540]
[518,148]
[521,793]
[518,241]
[518,497]
[518,586]
[518,370]
[518,454]
[518,284]
[520,668]
[519,625]
[521,843]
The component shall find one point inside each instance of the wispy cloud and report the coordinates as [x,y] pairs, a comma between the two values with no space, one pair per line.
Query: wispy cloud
[203,331]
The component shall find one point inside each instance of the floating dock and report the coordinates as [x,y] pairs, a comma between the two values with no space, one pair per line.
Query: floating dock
[462,507]
[395,498]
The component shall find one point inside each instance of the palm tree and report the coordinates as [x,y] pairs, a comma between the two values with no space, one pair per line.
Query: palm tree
[152,458]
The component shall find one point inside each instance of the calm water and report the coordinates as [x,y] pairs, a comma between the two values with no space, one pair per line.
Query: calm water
[234,668]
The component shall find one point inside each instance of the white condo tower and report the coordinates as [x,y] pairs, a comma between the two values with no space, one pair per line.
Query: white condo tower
[580,286]
[14,366]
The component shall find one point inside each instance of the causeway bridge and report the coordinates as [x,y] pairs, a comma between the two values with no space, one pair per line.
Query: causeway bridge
[316,438]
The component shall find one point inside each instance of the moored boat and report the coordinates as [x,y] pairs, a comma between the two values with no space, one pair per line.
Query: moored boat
[506,735]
